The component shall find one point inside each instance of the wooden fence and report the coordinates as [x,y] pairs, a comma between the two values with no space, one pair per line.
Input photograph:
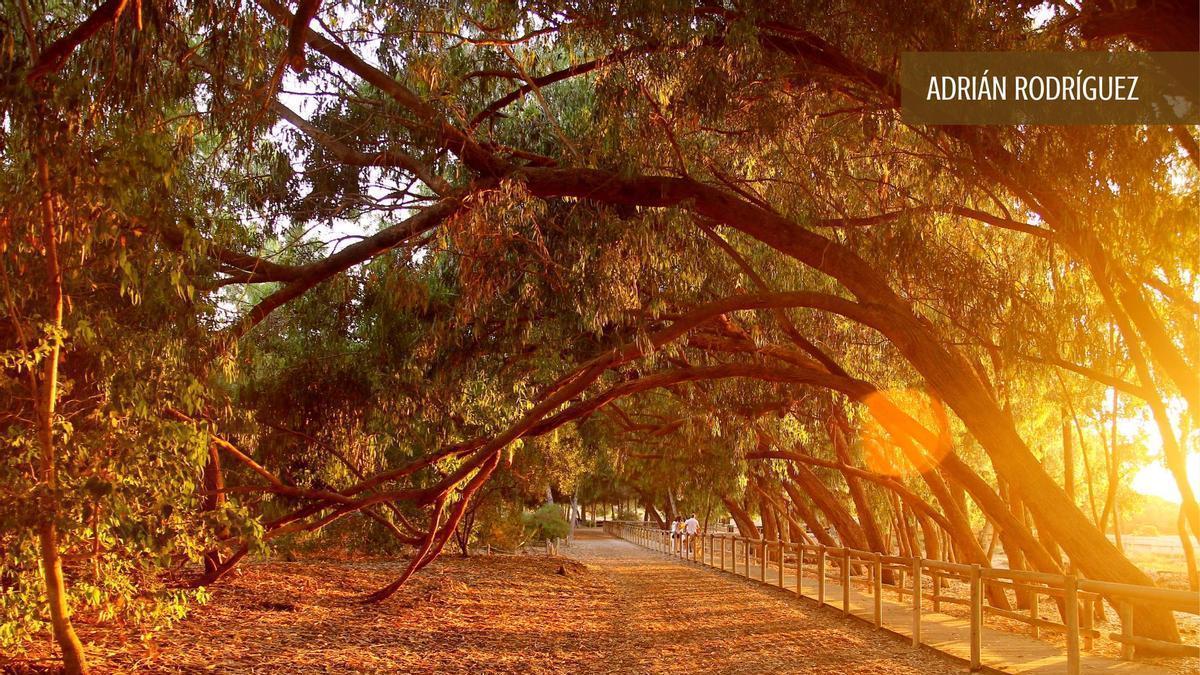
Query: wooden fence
[1076,597]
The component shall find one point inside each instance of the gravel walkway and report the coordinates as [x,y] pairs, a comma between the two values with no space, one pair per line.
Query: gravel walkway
[672,617]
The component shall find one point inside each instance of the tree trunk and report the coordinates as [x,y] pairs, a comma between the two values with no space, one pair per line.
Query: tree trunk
[1068,459]
[652,513]
[845,525]
[46,395]
[1114,474]
[745,523]
[770,524]
[901,539]
[839,429]
[214,488]
[929,534]
[574,515]
[963,479]
[1189,553]
[1013,550]
[1084,543]
[807,514]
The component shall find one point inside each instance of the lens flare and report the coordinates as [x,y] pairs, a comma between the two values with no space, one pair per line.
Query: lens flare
[907,432]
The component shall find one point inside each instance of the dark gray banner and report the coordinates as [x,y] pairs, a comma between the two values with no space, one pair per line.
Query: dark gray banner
[1050,87]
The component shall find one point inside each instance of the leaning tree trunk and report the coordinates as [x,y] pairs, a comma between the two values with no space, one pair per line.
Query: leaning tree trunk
[770,524]
[807,514]
[839,429]
[847,528]
[961,536]
[1122,296]
[1013,550]
[652,513]
[745,523]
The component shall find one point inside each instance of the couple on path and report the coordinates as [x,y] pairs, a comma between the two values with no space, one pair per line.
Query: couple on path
[683,531]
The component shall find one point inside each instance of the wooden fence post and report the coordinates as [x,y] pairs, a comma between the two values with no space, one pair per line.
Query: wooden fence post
[1126,612]
[877,582]
[1071,599]
[746,555]
[845,581]
[1088,622]
[936,576]
[916,614]
[976,617]
[762,560]
[781,556]
[1034,615]
[821,575]
[722,554]
[800,570]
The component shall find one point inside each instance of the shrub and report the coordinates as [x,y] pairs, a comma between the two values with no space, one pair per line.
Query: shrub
[501,525]
[548,522]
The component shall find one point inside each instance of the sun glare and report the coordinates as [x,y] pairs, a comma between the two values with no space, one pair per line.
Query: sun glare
[1156,481]
[912,413]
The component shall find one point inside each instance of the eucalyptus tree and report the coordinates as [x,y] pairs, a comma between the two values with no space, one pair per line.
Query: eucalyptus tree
[560,204]
[556,165]
[101,323]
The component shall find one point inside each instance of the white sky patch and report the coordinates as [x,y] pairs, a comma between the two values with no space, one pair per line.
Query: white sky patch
[1041,15]
[1140,429]
[303,98]
[340,231]
[1155,480]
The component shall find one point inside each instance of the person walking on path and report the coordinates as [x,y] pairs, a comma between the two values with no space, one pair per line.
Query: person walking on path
[690,527]
[676,534]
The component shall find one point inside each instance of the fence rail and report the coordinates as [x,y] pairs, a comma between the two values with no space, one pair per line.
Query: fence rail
[1075,597]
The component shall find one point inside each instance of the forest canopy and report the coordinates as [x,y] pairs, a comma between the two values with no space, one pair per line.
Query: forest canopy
[391,272]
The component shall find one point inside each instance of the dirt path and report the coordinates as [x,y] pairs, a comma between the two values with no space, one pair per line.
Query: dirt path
[622,609]
[677,618]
